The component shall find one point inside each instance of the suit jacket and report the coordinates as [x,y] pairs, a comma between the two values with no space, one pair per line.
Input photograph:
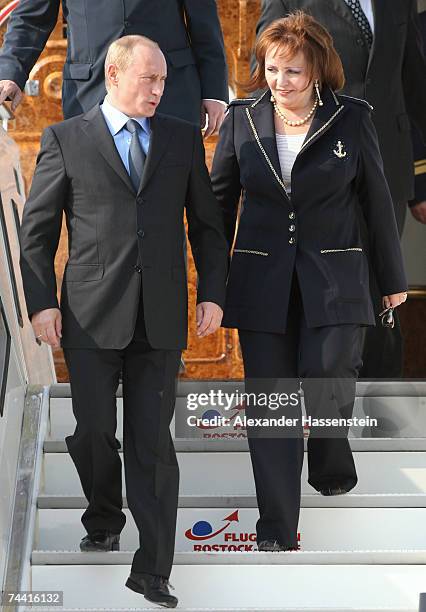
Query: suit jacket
[419,147]
[315,233]
[194,50]
[121,243]
[392,77]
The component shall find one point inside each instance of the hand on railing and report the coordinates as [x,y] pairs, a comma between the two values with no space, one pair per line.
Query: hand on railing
[10,91]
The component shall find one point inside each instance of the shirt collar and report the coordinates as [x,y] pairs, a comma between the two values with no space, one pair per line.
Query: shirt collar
[116,120]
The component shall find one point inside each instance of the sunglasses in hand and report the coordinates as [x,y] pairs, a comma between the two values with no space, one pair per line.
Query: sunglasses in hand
[386,317]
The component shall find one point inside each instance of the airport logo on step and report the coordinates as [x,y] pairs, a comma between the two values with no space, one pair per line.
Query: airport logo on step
[223,538]
[215,416]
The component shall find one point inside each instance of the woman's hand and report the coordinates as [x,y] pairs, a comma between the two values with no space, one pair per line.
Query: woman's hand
[394,300]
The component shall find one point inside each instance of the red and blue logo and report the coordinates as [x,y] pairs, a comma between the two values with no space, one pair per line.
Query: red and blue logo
[203,530]
[229,541]
[212,415]
[206,539]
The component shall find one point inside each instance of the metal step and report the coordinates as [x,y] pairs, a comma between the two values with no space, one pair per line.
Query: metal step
[229,445]
[198,609]
[231,587]
[227,609]
[378,473]
[219,530]
[365,388]
[350,500]
[400,410]
[363,557]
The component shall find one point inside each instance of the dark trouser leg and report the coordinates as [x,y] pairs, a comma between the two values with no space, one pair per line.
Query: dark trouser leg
[329,364]
[93,446]
[277,462]
[382,354]
[151,470]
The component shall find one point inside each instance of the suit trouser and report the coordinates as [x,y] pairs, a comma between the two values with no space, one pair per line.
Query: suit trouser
[382,353]
[326,353]
[151,469]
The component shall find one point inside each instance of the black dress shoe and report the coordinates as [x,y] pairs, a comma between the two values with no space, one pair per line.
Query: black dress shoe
[333,491]
[155,588]
[272,546]
[100,541]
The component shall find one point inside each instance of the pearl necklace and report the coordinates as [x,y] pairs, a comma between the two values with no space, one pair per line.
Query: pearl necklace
[294,123]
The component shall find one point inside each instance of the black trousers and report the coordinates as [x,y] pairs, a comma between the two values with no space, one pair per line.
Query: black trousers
[327,353]
[151,470]
[382,354]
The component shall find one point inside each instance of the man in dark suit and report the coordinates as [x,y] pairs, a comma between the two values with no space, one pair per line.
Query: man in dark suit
[377,41]
[123,175]
[188,32]
[418,203]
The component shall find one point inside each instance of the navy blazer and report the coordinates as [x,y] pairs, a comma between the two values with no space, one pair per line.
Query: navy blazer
[188,32]
[317,231]
[392,77]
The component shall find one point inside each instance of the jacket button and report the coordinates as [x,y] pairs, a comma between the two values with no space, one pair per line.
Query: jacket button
[292,215]
[292,240]
[292,228]
[141,233]
[140,200]
[127,24]
[360,42]
[138,269]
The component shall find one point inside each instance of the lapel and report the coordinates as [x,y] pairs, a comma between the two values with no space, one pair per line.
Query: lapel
[324,117]
[95,127]
[381,14]
[342,9]
[160,135]
[260,118]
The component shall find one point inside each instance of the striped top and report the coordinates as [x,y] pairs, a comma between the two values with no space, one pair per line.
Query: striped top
[288,147]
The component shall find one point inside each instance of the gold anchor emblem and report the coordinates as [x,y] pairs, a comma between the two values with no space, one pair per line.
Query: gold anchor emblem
[340,153]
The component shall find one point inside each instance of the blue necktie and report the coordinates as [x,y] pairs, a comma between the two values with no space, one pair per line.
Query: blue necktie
[137,155]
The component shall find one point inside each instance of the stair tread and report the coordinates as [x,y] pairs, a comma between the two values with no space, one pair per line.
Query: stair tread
[124,557]
[384,587]
[350,500]
[185,445]
[386,388]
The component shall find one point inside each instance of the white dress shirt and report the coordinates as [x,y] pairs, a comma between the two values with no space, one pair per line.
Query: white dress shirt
[288,147]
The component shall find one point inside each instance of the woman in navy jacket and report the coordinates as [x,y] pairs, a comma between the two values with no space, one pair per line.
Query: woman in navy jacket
[298,288]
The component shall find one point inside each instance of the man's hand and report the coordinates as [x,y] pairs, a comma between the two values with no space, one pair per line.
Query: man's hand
[47,326]
[394,300]
[9,89]
[209,317]
[216,113]
[419,212]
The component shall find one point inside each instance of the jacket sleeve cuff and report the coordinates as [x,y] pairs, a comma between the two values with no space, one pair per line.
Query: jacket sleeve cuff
[9,73]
